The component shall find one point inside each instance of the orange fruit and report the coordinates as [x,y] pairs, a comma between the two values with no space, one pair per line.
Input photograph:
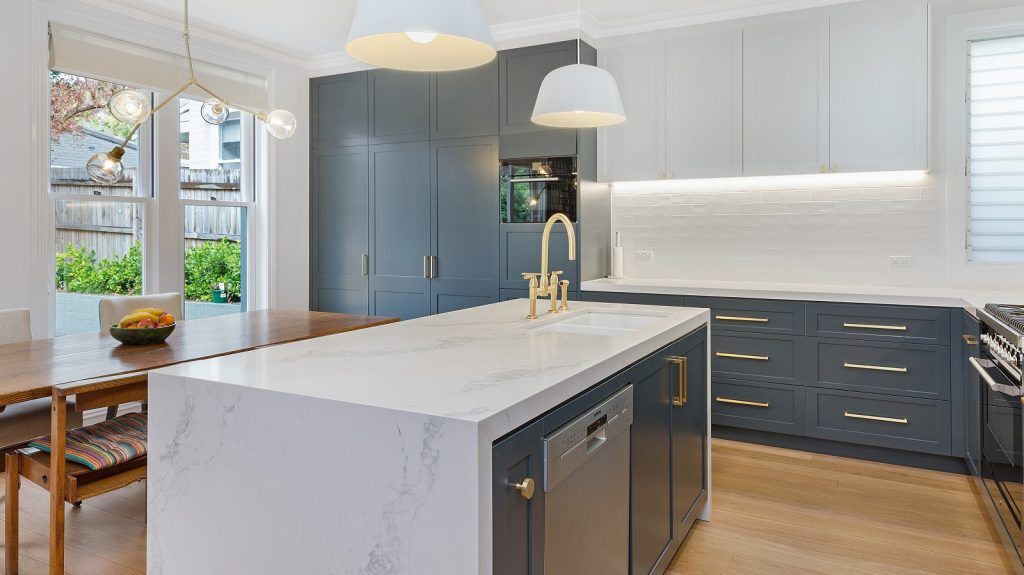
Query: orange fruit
[166,319]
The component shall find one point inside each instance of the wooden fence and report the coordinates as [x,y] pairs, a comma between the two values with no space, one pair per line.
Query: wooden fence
[110,228]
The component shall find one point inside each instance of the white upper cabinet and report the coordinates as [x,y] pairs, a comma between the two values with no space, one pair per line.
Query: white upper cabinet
[634,149]
[704,105]
[785,98]
[878,90]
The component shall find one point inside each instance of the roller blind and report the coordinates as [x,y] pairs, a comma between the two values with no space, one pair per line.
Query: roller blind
[82,53]
[996,150]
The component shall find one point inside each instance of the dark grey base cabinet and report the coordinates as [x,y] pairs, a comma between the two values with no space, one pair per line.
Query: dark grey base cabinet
[874,375]
[667,469]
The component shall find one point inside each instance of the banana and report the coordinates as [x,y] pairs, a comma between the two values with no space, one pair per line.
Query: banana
[137,316]
[153,310]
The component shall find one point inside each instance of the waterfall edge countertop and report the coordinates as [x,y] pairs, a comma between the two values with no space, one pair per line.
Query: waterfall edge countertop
[367,452]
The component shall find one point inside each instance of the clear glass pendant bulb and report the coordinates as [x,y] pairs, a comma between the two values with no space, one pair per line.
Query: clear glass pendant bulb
[214,112]
[106,167]
[422,37]
[280,123]
[129,106]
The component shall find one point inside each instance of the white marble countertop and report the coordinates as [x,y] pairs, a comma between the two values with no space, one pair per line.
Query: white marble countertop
[488,365]
[369,451]
[968,299]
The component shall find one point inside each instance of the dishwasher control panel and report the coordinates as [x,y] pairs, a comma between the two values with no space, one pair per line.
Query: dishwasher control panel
[569,446]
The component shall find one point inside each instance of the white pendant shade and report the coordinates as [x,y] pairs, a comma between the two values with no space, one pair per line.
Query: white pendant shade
[578,96]
[421,35]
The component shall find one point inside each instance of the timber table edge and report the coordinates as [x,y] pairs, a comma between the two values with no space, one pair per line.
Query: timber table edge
[22,396]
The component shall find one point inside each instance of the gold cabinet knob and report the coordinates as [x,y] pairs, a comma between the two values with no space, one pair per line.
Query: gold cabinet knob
[823,169]
[526,488]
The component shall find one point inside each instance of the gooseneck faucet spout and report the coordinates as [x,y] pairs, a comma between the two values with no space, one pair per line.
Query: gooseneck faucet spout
[547,283]
[546,240]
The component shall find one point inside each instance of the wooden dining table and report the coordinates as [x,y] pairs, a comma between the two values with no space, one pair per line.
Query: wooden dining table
[30,370]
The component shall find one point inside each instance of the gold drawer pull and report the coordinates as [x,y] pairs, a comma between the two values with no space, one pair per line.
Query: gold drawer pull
[875,417]
[875,367]
[741,356]
[875,326]
[741,318]
[721,399]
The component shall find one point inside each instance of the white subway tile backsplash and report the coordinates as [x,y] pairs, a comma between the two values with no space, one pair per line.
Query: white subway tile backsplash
[825,234]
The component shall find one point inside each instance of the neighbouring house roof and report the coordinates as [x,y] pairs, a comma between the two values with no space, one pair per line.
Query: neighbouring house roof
[74,150]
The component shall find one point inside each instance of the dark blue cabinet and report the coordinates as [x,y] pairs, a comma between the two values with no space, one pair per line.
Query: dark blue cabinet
[339,227]
[400,230]
[465,224]
[338,110]
[399,106]
[464,103]
[667,462]
[521,252]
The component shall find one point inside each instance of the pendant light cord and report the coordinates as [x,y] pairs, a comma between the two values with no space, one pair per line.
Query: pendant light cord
[579,29]
[188,47]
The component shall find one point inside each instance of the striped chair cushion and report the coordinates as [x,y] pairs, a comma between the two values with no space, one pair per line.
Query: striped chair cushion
[104,444]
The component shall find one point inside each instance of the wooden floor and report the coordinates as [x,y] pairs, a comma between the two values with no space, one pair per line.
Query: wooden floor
[775,511]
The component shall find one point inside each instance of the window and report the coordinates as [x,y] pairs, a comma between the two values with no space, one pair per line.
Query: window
[995,150]
[216,192]
[99,230]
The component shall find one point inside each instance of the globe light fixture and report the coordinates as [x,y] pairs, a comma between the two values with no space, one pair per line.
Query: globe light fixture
[280,124]
[129,106]
[106,167]
[421,35]
[214,112]
[578,95]
[132,107]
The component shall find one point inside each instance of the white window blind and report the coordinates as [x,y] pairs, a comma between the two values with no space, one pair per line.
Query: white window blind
[996,150]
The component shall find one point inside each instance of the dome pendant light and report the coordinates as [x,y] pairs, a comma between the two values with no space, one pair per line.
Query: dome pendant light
[421,35]
[578,95]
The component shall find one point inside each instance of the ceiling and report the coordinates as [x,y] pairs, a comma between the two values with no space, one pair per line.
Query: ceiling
[317,29]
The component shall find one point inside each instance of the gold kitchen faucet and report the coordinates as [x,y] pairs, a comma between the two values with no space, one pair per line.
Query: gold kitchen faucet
[547,283]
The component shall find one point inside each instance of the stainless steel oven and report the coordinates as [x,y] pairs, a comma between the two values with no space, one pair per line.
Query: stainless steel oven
[998,365]
[534,189]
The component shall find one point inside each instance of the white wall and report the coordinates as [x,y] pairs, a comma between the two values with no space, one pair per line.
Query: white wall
[22,196]
[832,229]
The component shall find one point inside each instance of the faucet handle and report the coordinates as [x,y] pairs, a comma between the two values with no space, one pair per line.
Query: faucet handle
[531,277]
[554,277]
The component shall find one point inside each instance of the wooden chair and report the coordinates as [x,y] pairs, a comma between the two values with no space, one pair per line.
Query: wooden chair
[69,482]
[23,421]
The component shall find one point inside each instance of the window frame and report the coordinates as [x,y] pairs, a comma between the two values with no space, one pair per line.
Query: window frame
[962,29]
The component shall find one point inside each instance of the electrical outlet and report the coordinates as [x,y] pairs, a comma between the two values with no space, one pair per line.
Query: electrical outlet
[645,256]
[899,261]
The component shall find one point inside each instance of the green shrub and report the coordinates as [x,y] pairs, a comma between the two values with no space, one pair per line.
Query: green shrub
[206,265]
[211,263]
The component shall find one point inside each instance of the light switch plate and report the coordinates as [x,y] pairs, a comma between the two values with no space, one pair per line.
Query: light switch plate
[899,261]
[645,256]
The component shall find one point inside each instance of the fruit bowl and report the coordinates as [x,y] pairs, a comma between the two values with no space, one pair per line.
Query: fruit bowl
[140,336]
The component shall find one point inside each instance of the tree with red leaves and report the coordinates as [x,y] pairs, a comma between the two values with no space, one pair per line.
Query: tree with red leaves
[76,102]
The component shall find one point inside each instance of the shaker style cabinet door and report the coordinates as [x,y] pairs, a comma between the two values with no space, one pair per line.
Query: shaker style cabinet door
[340,214]
[785,98]
[464,175]
[519,520]
[339,110]
[464,103]
[400,230]
[689,433]
[878,78]
[399,106]
[635,149]
[522,70]
[704,106]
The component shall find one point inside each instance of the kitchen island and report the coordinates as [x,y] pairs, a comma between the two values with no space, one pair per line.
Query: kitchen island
[371,452]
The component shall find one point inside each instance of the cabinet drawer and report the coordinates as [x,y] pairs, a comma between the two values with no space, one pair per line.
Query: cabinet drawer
[905,370]
[878,322]
[758,357]
[761,406]
[884,421]
[757,315]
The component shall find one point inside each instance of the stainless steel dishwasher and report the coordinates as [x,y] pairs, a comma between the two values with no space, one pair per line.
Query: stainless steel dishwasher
[586,486]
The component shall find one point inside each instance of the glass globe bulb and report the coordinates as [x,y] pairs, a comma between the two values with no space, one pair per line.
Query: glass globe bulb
[129,106]
[280,123]
[421,37]
[106,167]
[214,112]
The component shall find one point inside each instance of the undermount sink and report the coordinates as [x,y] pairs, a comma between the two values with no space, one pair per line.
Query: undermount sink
[596,322]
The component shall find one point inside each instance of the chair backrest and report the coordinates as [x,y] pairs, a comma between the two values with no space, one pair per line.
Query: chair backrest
[15,326]
[112,309]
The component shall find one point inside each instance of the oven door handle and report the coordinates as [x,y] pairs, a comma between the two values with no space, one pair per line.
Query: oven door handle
[982,366]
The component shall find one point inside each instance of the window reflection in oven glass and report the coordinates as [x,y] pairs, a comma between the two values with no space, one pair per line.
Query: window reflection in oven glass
[532,190]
